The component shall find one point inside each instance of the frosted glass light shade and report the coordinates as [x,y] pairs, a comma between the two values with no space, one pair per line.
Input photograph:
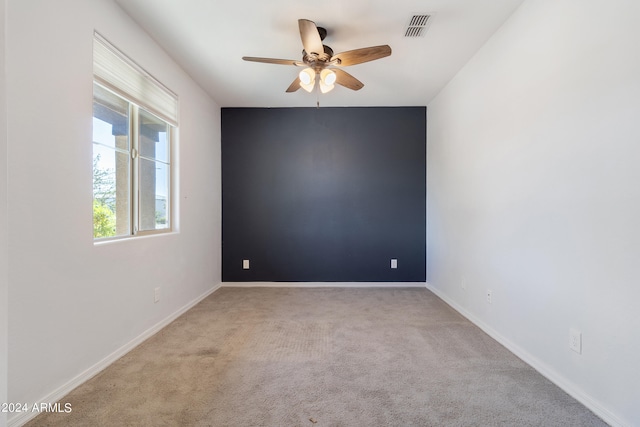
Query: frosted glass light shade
[325,88]
[307,76]
[328,77]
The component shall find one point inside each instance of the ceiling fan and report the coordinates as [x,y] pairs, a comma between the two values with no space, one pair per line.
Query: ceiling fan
[321,64]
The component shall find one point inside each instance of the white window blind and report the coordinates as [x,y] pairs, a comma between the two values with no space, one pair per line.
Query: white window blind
[116,71]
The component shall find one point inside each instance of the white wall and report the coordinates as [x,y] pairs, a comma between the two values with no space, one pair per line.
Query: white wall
[4,315]
[534,192]
[72,303]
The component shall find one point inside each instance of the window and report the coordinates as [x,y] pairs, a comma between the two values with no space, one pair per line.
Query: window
[134,125]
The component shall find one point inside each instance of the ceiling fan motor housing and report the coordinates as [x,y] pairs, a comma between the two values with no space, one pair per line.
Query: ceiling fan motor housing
[318,61]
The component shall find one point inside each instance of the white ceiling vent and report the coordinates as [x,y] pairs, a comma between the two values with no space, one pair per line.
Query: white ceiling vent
[417,26]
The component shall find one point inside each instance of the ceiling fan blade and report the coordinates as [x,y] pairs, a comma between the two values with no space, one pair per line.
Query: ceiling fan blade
[347,80]
[294,86]
[311,40]
[358,56]
[274,61]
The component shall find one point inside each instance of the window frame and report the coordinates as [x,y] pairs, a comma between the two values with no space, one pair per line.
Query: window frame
[135,109]
[136,195]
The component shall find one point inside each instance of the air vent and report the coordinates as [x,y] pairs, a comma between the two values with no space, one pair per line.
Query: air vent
[417,26]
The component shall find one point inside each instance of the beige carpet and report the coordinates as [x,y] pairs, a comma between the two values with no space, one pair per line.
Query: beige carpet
[320,357]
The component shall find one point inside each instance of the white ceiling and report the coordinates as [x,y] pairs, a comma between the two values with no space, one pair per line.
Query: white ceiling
[210,37]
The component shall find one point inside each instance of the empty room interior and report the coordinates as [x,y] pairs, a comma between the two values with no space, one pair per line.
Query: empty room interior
[418,212]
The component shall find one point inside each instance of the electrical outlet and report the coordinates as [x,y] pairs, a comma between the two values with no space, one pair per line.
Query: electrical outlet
[245,264]
[575,340]
[156,295]
[489,296]
[394,263]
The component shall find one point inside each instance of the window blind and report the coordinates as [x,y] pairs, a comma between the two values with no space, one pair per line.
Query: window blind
[116,71]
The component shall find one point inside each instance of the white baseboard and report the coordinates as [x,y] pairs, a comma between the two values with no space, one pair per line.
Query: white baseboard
[23,417]
[323,284]
[597,408]
[546,371]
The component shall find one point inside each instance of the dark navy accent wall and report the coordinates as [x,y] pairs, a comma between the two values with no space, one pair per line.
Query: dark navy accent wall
[324,195]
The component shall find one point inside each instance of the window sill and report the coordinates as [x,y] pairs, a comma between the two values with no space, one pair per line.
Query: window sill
[104,242]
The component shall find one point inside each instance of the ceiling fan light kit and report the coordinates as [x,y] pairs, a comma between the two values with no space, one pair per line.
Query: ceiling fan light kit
[326,79]
[321,64]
